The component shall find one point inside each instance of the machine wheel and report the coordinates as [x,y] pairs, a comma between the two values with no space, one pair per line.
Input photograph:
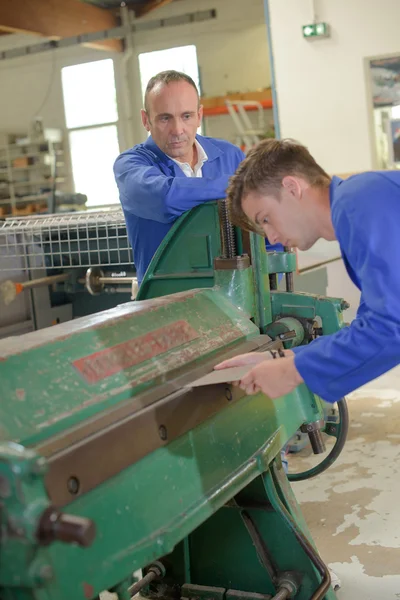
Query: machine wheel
[337,430]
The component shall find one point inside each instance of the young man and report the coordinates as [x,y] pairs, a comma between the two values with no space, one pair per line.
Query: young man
[174,170]
[281,192]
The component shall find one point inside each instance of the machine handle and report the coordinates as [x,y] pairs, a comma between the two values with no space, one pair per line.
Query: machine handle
[70,529]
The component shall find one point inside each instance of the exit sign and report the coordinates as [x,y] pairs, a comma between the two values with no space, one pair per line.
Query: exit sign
[315,31]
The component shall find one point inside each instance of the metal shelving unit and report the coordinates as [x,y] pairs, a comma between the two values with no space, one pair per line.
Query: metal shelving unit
[30,170]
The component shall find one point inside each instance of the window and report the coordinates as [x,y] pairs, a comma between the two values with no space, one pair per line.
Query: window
[182,58]
[91,116]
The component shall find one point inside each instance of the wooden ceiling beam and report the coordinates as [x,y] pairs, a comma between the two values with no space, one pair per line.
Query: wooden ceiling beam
[58,19]
[149,7]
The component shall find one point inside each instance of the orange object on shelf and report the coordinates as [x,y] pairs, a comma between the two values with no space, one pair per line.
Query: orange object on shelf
[216,105]
[22,162]
[222,110]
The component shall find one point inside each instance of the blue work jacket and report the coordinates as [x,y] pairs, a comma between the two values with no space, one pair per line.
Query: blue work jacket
[366,218]
[154,191]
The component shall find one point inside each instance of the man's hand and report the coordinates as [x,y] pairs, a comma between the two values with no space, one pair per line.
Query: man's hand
[274,378]
[251,358]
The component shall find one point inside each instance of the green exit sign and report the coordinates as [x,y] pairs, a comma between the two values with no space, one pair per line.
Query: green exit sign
[315,31]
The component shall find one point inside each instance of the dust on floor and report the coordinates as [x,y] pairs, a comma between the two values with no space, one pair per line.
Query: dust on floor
[353,509]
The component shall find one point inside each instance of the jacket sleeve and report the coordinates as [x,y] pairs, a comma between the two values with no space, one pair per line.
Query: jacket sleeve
[335,365]
[147,192]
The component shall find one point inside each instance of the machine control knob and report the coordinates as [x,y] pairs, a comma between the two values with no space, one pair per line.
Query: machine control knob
[70,529]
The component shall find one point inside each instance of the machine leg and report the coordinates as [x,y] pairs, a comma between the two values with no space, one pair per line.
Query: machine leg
[256,546]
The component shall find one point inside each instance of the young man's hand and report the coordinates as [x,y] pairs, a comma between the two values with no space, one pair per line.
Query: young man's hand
[274,378]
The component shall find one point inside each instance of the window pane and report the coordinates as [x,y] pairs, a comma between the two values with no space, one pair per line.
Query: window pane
[93,152]
[89,94]
[182,58]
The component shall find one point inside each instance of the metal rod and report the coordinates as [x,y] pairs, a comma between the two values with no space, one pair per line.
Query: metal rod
[302,540]
[109,34]
[317,442]
[259,261]
[289,276]
[44,281]
[275,110]
[282,594]
[110,280]
[146,580]
[261,549]
[116,279]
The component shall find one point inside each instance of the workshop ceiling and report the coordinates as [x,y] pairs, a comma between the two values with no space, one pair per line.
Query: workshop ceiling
[140,7]
[59,19]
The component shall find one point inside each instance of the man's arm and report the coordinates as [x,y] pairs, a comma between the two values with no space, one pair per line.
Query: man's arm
[370,346]
[148,193]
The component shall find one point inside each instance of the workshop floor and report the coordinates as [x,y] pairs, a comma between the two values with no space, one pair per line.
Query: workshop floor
[353,510]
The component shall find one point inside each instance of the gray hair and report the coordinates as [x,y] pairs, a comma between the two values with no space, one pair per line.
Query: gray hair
[166,77]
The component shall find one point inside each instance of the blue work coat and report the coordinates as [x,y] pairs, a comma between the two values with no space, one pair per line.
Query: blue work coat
[366,218]
[154,191]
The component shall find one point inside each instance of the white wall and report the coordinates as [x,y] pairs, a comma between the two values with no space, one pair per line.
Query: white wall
[321,84]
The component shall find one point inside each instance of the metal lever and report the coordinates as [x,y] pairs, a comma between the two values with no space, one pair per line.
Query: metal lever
[287,335]
[314,433]
[70,529]
[9,290]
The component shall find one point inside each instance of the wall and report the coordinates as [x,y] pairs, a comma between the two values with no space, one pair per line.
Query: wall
[232,53]
[321,84]
[31,86]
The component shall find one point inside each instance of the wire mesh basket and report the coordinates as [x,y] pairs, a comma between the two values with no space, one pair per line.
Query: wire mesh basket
[81,239]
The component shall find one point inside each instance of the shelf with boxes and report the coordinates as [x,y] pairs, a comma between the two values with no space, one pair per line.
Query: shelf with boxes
[31,170]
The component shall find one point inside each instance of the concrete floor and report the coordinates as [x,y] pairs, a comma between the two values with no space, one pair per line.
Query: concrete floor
[353,510]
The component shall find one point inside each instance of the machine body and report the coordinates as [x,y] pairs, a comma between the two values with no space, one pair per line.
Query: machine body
[111,462]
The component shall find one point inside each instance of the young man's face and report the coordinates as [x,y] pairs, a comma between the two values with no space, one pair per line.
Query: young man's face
[285,219]
[173,118]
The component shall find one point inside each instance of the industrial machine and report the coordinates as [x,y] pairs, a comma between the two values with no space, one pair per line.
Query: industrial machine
[112,459]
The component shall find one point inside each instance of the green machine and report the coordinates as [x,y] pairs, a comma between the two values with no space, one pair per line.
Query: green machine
[112,461]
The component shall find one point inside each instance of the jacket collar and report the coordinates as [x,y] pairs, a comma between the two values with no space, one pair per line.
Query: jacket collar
[210,149]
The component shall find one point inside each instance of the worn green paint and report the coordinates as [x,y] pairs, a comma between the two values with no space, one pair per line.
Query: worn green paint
[43,393]
[310,306]
[281,262]
[184,259]
[238,286]
[259,259]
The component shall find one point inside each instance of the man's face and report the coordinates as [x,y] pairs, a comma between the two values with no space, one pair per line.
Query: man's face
[173,118]
[286,219]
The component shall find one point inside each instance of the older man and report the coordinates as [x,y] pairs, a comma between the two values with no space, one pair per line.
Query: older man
[174,170]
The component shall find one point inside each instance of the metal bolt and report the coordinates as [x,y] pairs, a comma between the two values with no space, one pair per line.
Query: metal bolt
[73,485]
[162,430]
[228,394]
